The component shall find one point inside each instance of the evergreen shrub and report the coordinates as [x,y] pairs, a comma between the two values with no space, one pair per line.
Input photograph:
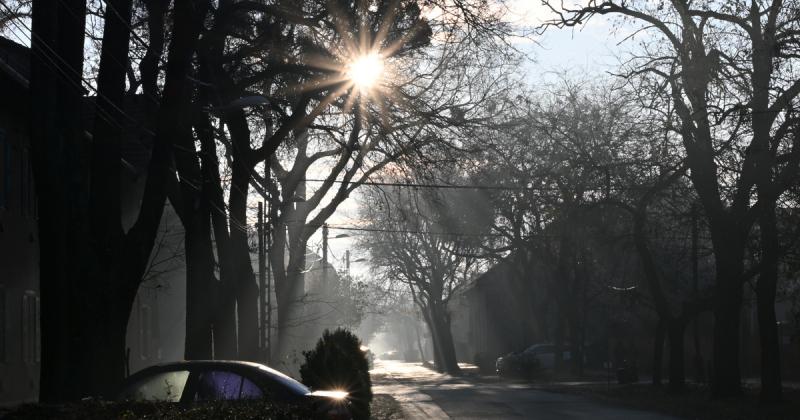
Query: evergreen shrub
[338,363]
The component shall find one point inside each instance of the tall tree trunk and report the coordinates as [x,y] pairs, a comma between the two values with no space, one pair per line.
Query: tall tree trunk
[56,101]
[438,360]
[560,323]
[245,281]
[677,368]
[290,284]
[224,307]
[771,387]
[419,341]
[288,295]
[443,339]
[106,346]
[199,256]
[658,352]
[199,280]
[726,378]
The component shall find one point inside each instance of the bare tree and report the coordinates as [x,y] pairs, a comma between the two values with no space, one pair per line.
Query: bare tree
[417,238]
[725,67]
[90,266]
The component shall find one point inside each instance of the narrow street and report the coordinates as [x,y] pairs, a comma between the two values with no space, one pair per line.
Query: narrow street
[425,394]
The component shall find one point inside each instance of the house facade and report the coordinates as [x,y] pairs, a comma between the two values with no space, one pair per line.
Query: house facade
[19,249]
[157,320]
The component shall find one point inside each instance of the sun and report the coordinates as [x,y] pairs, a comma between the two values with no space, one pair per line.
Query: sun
[366,71]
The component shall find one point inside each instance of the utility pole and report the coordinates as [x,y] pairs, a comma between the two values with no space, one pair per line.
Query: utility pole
[325,253]
[269,287]
[262,280]
[347,263]
[698,358]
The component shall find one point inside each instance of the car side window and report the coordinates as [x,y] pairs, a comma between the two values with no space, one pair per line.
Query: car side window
[215,385]
[163,386]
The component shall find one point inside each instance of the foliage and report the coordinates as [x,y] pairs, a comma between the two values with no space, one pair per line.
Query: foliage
[338,363]
[102,410]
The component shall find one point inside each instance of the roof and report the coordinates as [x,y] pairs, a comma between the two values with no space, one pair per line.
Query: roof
[15,61]
[136,144]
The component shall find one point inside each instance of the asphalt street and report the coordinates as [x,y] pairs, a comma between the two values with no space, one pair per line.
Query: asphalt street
[425,394]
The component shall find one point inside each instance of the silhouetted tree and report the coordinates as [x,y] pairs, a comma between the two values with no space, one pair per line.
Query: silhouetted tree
[90,266]
[723,67]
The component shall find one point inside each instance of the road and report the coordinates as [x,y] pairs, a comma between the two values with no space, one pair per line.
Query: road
[425,394]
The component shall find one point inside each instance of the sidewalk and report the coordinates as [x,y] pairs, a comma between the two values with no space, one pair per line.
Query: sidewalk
[416,405]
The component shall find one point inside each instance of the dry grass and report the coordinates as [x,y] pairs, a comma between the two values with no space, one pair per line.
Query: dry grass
[385,407]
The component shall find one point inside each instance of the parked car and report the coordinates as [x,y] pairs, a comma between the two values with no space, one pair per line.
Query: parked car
[196,381]
[390,355]
[536,359]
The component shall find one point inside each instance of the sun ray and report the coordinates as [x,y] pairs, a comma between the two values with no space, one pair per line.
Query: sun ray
[364,28]
[412,32]
[321,84]
[385,25]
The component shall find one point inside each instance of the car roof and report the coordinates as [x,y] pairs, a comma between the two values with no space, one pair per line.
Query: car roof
[539,346]
[205,364]
[234,365]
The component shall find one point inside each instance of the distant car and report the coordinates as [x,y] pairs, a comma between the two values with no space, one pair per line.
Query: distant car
[535,359]
[390,355]
[195,381]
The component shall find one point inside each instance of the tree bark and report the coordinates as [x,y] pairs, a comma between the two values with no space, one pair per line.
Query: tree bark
[56,101]
[726,378]
[443,340]
[658,352]
[677,368]
[199,281]
[242,268]
[771,387]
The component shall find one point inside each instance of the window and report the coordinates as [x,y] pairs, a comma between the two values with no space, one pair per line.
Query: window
[27,194]
[165,386]
[23,169]
[2,323]
[5,169]
[145,321]
[224,385]
[30,327]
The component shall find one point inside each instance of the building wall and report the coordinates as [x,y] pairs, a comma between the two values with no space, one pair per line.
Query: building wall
[157,322]
[19,254]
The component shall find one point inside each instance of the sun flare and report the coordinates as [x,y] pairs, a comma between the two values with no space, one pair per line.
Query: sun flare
[366,71]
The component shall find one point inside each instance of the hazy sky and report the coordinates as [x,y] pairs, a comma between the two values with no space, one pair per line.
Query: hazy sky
[581,53]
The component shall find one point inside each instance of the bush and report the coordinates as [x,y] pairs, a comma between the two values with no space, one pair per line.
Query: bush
[337,362]
[130,410]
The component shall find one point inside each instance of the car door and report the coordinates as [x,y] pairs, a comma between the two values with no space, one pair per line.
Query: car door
[217,384]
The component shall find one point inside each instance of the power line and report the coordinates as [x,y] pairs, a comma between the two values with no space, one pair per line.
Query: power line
[102,113]
[360,229]
[439,186]
[472,186]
